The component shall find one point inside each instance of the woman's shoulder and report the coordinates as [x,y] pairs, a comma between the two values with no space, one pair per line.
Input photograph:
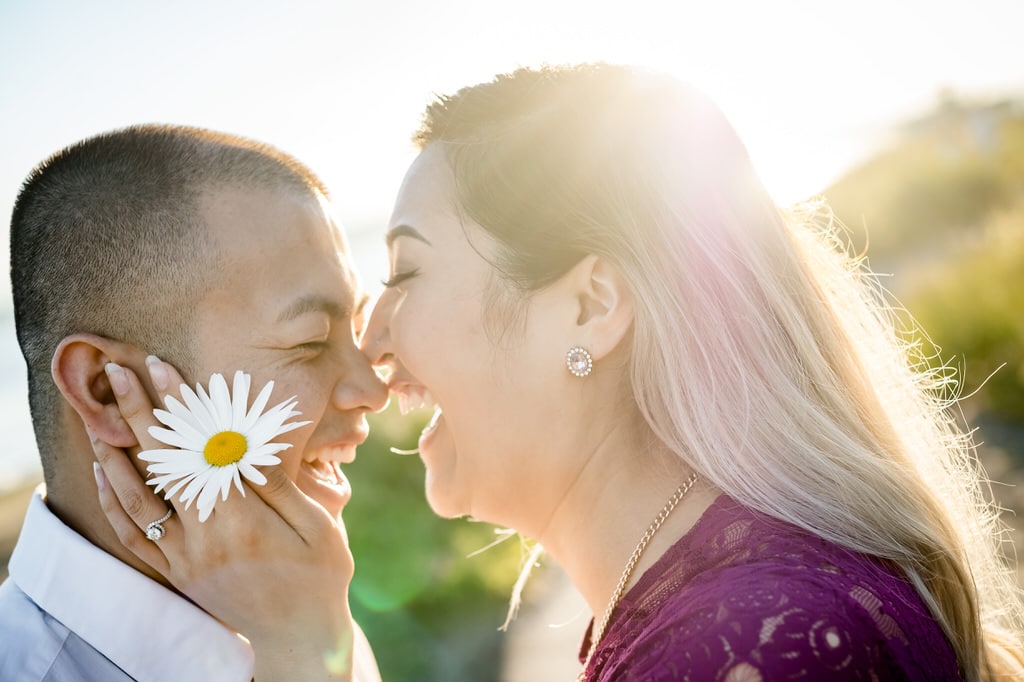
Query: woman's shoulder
[764,597]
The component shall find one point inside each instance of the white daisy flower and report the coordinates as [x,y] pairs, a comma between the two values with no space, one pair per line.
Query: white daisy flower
[216,441]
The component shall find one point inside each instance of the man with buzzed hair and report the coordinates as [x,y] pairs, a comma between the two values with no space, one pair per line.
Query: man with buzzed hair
[194,246]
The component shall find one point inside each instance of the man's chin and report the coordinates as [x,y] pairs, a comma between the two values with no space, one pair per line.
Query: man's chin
[326,484]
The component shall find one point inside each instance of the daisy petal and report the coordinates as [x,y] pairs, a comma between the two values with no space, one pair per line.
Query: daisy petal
[198,409]
[184,464]
[159,482]
[264,431]
[252,473]
[179,485]
[239,399]
[185,426]
[195,486]
[210,408]
[208,495]
[221,399]
[175,439]
[291,426]
[264,456]
[163,455]
[225,484]
[257,406]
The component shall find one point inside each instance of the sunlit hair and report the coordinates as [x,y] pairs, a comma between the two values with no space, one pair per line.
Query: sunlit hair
[763,352]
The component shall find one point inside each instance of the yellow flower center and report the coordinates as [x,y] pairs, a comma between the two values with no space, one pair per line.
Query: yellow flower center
[224,448]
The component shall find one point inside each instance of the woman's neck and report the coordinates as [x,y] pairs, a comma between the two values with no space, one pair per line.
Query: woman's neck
[599,522]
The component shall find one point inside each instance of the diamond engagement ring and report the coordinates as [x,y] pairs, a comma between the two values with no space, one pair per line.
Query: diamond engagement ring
[156,530]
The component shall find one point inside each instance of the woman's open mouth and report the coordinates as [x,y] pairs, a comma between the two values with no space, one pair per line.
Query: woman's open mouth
[412,397]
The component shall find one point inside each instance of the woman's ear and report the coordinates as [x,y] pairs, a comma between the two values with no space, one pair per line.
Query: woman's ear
[78,370]
[605,303]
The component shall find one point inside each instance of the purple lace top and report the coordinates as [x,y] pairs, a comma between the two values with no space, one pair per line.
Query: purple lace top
[744,597]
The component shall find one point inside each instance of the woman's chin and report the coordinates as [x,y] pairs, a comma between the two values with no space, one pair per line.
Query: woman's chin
[438,454]
[441,501]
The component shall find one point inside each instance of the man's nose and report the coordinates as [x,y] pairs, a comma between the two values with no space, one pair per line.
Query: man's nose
[359,387]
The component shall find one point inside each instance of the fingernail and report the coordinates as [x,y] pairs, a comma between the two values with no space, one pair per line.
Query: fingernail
[157,372]
[118,379]
[92,436]
[101,478]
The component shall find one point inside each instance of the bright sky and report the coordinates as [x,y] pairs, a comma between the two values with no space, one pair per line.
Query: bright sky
[811,85]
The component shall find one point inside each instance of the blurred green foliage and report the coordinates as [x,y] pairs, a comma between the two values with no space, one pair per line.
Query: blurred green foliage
[430,610]
[941,176]
[943,209]
[973,308]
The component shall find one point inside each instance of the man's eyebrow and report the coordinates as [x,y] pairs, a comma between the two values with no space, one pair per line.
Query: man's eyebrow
[405,231]
[313,304]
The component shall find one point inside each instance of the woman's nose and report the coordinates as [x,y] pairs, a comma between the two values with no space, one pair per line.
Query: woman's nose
[376,339]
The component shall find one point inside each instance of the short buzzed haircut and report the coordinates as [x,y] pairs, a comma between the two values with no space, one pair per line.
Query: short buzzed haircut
[107,237]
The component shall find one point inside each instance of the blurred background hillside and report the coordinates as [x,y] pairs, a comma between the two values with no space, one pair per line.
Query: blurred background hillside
[942,207]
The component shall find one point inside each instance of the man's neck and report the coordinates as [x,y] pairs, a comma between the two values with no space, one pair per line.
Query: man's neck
[77,506]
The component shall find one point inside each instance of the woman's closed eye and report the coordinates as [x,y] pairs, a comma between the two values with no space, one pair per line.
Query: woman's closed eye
[400,277]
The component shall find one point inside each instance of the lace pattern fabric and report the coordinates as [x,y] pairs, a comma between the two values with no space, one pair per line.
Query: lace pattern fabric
[744,597]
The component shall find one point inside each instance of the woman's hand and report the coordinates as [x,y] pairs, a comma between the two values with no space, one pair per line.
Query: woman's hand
[273,565]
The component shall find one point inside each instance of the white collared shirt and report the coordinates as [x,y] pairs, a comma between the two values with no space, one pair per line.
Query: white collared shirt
[71,611]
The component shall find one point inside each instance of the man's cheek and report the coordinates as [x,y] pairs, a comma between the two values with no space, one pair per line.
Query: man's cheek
[291,460]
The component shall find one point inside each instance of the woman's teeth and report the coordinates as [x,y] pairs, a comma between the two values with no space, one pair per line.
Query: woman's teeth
[414,397]
[433,421]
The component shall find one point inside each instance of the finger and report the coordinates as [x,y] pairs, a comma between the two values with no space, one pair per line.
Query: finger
[297,509]
[135,407]
[125,528]
[164,377]
[133,497]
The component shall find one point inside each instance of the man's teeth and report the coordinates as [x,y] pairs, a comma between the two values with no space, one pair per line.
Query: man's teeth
[412,398]
[324,471]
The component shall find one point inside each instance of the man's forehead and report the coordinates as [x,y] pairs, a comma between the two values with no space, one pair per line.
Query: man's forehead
[283,246]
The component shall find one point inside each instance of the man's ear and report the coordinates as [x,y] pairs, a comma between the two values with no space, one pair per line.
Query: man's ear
[78,370]
[605,305]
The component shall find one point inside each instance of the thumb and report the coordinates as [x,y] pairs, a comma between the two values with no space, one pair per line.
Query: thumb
[298,510]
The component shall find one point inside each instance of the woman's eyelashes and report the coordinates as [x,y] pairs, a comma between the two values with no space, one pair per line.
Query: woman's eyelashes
[400,277]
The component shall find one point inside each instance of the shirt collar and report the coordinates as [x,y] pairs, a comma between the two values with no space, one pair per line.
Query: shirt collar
[142,627]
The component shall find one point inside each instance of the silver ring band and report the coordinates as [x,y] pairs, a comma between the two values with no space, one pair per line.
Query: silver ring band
[156,530]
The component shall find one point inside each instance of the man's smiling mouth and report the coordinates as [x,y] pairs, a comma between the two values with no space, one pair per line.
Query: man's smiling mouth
[326,471]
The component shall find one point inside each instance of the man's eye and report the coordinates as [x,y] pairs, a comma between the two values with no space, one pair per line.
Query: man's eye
[313,345]
[400,277]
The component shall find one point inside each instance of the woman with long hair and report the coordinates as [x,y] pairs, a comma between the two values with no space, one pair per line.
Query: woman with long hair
[699,404]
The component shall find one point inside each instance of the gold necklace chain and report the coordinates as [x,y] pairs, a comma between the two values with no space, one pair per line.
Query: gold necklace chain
[677,496]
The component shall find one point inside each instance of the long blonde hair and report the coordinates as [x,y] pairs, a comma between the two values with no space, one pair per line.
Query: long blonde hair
[764,352]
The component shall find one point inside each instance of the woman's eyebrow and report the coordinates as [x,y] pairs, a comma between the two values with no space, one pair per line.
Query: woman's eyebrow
[405,231]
